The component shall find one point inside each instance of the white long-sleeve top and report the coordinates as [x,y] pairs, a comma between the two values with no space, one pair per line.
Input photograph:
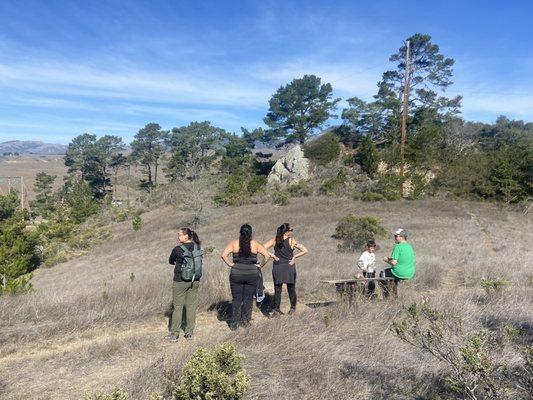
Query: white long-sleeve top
[366,261]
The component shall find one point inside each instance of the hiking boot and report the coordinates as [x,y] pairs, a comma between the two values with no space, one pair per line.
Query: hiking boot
[188,336]
[172,337]
[292,310]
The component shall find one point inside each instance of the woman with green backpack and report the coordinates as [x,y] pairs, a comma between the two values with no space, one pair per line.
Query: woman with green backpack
[187,260]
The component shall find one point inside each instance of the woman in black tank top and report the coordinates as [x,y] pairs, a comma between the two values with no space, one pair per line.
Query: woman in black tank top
[244,274]
[284,269]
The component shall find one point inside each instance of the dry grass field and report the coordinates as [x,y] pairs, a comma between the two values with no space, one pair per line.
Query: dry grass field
[97,322]
[28,166]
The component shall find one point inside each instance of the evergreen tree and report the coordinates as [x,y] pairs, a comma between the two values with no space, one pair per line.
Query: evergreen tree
[367,156]
[44,202]
[147,149]
[193,149]
[298,109]
[18,254]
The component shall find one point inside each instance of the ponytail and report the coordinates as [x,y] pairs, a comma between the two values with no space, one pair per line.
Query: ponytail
[245,239]
[192,235]
[282,229]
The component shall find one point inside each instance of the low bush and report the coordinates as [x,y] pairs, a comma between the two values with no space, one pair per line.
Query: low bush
[239,187]
[137,223]
[300,189]
[356,231]
[390,186]
[493,287]
[324,149]
[217,373]
[372,196]
[472,358]
[334,186]
[280,197]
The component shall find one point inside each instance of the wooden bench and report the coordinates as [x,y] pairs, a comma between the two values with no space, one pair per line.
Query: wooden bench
[347,288]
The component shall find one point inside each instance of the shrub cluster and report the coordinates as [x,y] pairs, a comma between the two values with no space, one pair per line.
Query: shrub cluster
[356,231]
[324,149]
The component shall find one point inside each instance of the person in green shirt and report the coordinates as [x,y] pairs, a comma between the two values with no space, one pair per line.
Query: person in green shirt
[402,262]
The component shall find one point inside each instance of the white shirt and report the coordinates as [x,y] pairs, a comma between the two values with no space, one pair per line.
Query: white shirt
[366,261]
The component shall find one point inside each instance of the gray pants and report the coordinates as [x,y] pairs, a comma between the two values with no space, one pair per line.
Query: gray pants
[184,295]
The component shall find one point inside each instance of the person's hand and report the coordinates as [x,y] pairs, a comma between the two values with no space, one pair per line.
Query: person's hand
[386,259]
[292,261]
[274,257]
[231,265]
[258,265]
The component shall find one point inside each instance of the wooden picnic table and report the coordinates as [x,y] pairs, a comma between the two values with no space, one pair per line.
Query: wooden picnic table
[347,287]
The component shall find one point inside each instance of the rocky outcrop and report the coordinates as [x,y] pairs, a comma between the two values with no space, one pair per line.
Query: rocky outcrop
[292,168]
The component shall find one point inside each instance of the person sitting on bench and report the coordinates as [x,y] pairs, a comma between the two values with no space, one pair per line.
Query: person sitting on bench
[402,262]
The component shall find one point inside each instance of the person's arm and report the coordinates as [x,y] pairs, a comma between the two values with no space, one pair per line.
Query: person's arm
[362,262]
[269,244]
[393,259]
[229,248]
[302,251]
[173,256]
[260,249]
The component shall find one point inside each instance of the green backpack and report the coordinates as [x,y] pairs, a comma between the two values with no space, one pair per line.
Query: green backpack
[191,269]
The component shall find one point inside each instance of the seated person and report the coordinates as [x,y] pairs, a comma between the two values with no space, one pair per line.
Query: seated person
[402,262]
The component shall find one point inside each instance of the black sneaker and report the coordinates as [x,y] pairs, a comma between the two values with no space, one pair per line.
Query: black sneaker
[292,310]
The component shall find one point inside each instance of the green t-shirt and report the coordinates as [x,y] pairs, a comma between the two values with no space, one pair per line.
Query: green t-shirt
[404,255]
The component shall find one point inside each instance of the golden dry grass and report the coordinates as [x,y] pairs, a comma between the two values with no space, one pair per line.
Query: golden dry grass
[68,337]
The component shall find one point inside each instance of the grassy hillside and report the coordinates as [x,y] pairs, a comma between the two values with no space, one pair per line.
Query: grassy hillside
[97,322]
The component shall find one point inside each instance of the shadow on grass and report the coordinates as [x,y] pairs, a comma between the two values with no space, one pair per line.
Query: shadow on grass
[389,384]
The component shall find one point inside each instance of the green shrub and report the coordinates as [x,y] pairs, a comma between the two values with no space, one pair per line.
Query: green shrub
[419,186]
[217,373]
[239,187]
[334,186]
[390,186]
[280,197]
[356,231]
[372,196]
[300,189]
[367,156]
[494,287]
[18,247]
[472,371]
[324,149]
[136,223]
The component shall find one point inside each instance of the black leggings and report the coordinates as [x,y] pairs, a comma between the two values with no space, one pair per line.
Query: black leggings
[291,289]
[243,288]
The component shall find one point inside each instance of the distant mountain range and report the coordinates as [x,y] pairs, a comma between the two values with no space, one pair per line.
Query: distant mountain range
[31,147]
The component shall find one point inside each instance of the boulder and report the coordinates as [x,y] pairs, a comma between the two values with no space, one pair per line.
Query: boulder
[289,169]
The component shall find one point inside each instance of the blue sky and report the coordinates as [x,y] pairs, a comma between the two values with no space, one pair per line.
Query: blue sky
[110,67]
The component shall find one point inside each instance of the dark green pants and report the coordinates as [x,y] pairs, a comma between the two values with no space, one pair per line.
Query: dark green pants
[184,295]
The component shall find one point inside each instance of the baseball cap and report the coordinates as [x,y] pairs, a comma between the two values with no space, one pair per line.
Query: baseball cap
[400,232]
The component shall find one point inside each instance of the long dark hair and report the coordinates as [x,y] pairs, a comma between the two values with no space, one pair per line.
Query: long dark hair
[245,239]
[192,235]
[282,230]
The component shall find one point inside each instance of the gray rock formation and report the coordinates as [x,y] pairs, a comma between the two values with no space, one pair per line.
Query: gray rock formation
[292,168]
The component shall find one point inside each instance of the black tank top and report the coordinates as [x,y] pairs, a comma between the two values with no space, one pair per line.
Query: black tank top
[284,253]
[251,259]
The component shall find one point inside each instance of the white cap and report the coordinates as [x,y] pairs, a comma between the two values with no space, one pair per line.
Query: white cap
[400,232]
